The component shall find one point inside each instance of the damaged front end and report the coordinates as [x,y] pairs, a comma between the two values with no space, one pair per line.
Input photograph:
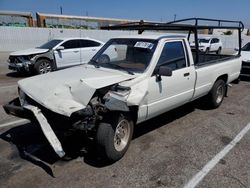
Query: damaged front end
[104,101]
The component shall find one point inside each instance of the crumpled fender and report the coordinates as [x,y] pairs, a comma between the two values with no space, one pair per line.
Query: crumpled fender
[136,96]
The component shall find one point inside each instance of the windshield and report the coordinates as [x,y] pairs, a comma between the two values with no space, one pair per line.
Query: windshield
[203,40]
[246,47]
[51,44]
[131,55]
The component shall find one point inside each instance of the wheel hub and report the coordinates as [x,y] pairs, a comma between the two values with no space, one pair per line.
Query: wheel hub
[122,134]
[219,93]
[44,68]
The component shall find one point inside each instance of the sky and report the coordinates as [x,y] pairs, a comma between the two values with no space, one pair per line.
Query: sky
[151,10]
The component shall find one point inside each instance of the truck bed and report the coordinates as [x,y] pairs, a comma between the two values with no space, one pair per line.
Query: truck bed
[213,66]
[210,58]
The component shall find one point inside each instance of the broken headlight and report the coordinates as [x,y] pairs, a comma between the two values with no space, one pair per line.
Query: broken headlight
[119,90]
[119,94]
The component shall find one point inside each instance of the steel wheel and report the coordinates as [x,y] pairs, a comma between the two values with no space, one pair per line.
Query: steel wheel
[113,138]
[217,94]
[122,135]
[220,94]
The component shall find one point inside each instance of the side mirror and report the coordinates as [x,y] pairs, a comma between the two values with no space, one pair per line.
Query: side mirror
[236,49]
[163,71]
[60,48]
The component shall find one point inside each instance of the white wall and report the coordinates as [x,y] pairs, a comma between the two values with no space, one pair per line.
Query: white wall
[17,38]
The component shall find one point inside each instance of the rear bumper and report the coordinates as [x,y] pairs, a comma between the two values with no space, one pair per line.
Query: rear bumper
[14,108]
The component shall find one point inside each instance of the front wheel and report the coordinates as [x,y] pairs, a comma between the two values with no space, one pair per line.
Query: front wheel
[43,66]
[217,94]
[113,138]
[207,51]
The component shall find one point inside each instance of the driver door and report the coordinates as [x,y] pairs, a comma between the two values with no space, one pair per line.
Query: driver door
[70,55]
[173,91]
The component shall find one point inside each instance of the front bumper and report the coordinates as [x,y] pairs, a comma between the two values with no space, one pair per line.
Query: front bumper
[34,113]
[14,108]
[201,49]
[24,66]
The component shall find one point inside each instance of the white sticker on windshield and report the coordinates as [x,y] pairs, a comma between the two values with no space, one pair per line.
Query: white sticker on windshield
[146,45]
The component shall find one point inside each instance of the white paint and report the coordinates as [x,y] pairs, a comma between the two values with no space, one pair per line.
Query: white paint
[17,122]
[211,164]
[29,51]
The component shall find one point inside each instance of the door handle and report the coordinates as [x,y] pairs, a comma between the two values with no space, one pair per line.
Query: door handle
[93,49]
[76,51]
[186,74]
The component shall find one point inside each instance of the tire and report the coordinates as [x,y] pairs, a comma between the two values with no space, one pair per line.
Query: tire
[207,51]
[43,66]
[218,51]
[217,94]
[113,138]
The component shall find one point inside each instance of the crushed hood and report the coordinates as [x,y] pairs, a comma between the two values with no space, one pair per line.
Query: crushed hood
[70,90]
[29,52]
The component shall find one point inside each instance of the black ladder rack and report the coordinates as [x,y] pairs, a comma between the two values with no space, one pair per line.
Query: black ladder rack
[181,25]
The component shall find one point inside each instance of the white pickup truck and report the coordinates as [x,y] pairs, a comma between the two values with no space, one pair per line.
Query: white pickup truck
[149,75]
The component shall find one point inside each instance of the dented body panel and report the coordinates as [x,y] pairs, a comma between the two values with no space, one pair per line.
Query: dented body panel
[69,90]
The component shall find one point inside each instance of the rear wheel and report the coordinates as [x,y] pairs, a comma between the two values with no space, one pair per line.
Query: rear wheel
[113,138]
[43,66]
[217,94]
[207,51]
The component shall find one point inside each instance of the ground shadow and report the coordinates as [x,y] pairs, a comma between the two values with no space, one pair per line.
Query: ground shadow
[18,75]
[34,147]
[163,120]
[245,78]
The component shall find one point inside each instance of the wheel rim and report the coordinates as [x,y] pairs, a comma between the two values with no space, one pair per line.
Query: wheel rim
[220,94]
[122,134]
[44,67]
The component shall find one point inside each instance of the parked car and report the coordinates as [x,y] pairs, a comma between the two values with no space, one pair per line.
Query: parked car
[55,54]
[148,75]
[245,54]
[207,45]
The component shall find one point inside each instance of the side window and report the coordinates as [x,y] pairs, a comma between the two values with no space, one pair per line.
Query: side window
[248,47]
[89,43]
[214,40]
[71,44]
[173,56]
